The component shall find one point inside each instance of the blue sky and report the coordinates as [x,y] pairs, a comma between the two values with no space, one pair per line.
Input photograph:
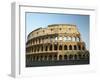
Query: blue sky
[36,20]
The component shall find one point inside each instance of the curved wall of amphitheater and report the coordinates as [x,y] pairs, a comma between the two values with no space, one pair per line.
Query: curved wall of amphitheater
[56,42]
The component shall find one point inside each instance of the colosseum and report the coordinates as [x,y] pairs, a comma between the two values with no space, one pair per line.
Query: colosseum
[57,44]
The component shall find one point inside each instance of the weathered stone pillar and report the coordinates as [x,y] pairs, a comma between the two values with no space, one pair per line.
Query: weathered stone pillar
[67,47]
[72,47]
[53,47]
[57,57]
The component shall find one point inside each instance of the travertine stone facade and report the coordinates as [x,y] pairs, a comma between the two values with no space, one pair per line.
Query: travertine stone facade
[56,42]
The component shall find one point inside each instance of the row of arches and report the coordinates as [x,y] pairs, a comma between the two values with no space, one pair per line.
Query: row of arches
[55,38]
[54,47]
[67,38]
[57,57]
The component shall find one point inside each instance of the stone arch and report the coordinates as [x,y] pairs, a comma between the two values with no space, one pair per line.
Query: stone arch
[70,57]
[33,58]
[42,40]
[42,48]
[65,57]
[73,38]
[45,58]
[41,57]
[83,48]
[30,58]
[60,47]
[46,48]
[37,58]
[69,38]
[70,47]
[79,55]
[77,39]
[60,57]
[50,48]
[75,47]
[55,47]
[50,57]
[37,41]
[79,47]
[55,57]
[75,57]
[65,38]
[83,56]
[38,48]
[34,48]
[65,47]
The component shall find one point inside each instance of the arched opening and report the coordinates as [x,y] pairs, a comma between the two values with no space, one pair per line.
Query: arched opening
[46,48]
[70,57]
[75,48]
[41,58]
[83,48]
[69,38]
[83,56]
[55,57]
[42,40]
[70,47]
[33,58]
[65,57]
[37,58]
[79,47]
[79,56]
[77,39]
[30,58]
[32,49]
[37,48]
[73,38]
[50,57]
[55,47]
[65,47]
[60,47]
[60,57]
[45,58]
[65,38]
[50,48]
[75,57]
[42,48]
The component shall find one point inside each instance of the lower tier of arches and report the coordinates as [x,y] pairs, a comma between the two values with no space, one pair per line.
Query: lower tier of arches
[46,58]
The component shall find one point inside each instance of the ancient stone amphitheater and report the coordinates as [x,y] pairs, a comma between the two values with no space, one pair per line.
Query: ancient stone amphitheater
[57,44]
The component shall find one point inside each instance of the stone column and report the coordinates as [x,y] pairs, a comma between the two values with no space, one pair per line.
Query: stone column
[67,47]
[67,57]
[53,47]
[57,57]
[48,47]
